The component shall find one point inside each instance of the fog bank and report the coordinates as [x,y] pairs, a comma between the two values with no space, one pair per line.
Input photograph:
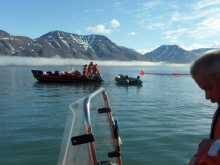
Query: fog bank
[57,61]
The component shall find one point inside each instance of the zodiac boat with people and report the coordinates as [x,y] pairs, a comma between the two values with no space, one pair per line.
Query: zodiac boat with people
[91,135]
[60,76]
[127,80]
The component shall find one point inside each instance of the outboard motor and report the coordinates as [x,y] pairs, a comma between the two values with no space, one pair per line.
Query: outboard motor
[138,77]
[99,77]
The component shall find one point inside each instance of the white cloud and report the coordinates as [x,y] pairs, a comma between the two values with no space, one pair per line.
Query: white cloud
[165,18]
[174,41]
[210,27]
[176,16]
[114,23]
[117,4]
[118,7]
[132,33]
[78,31]
[174,6]
[216,44]
[99,29]
[142,51]
[178,32]
[193,46]
[150,5]
[168,37]
[173,35]
[157,25]
[99,11]
[194,14]
[205,3]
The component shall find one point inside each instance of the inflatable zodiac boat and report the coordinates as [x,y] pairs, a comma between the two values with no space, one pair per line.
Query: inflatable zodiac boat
[59,76]
[127,80]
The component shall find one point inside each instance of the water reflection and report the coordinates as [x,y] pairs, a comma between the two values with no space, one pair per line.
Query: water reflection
[60,87]
[130,87]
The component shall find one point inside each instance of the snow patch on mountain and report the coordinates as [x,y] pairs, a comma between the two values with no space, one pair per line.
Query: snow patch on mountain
[202,50]
[66,43]
[163,52]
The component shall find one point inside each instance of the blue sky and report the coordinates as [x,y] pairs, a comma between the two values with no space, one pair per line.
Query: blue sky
[140,25]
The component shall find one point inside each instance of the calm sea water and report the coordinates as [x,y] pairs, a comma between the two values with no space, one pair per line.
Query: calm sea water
[161,122]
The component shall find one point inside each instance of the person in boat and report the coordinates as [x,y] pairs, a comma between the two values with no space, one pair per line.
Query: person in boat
[90,68]
[95,70]
[77,73]
[206,73]
[84,67]
[85,71]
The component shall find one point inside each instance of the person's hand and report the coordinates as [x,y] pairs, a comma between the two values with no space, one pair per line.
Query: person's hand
[203,144]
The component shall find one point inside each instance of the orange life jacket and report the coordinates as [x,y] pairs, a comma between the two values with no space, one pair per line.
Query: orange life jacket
[94,70]
[77,73]
[85,73]
[210,155]
[84,67]
[90,67]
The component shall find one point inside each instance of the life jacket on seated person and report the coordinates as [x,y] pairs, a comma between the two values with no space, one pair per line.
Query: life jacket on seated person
[84,67]
[77,73]
[85,71]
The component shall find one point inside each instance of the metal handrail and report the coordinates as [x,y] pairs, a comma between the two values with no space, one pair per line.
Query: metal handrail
[86,107]
[88,127]
[87,123]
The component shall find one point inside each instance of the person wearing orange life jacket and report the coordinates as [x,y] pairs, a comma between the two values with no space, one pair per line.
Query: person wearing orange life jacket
[85,71]
[95,70]
[77,73]
[84,67]
[206,73]
[90,68]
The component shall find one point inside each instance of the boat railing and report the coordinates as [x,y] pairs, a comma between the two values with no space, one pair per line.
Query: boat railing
[91,135]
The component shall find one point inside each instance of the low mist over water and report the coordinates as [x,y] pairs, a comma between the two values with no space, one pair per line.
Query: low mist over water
[57,61]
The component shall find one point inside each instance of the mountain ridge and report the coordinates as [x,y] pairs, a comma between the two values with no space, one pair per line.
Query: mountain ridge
[172,54]
[67,45]
[89,47]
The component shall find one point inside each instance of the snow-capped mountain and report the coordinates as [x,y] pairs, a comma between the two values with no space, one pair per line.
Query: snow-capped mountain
[94,47]
[202,50]
[172,54]
[67,45]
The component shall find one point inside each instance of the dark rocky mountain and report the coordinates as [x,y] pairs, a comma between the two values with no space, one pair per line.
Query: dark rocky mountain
[202,50]
[90,47]
[67,45]
[172,54]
